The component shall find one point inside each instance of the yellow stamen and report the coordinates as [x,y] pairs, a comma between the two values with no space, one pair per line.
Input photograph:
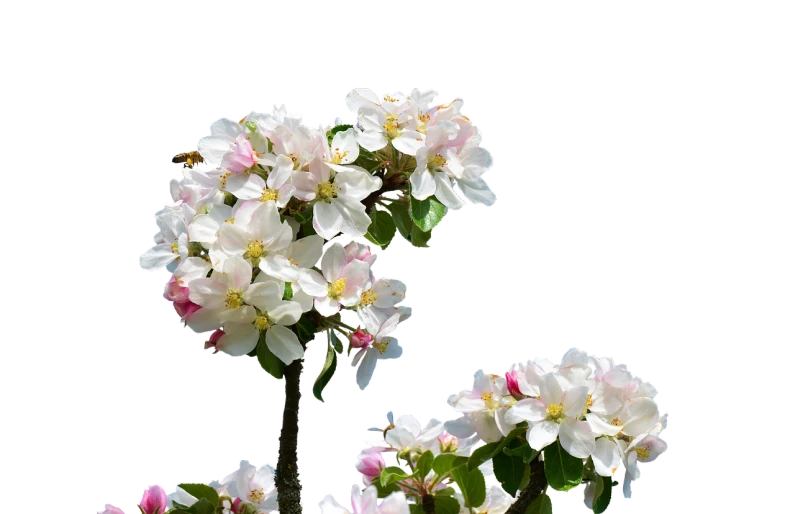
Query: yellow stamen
[268,195]
[555,410]
[255,249]
[616,422]
[230,220]
[391,126]
[256,495]
[337,157]
[326,191]
[437,161]
[222,179]
[390,99]
[369,297]
[336,288]
[234,299]
[175,248]
[262,323]
[643,452]
[381,346]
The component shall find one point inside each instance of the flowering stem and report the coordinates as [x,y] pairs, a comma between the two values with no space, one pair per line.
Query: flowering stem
[535,488]
[287,482]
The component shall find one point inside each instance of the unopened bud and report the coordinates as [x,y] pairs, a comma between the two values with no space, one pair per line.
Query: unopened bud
[360,339]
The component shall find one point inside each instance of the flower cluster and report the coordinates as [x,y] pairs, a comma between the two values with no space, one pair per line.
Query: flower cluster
[246,491]
[584,417]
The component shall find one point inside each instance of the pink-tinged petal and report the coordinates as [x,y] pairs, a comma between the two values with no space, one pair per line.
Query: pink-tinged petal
[313,283]
[325,306]
[333,262]
[330,506]
[527,410]
[158,256]
[422,184]
[395,503]
[284,344]
[606,457]
[205,320]
[240,158]
[601,427]
[154,501]
[238,273]
[110,509]
[576,438]
[238,339]
[542,434]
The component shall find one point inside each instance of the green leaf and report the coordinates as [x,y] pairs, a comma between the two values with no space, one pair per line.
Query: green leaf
[509,469]
[305,217]
[269,362]
[541,505]
[401,218]
[524,451]
[419,238]
[446,504]
[424,464]
[200,491]
[305,329]
[203,506]
[326,373]
[382,228]
[335,341]
[427,213]
[563,471]
[446,462]
[384,491]
[604,490]
[392,474]
[472,485]
[482,454]
[415,508]
[288,292]
[339,128]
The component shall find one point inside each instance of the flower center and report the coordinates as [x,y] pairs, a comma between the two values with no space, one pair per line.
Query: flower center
[488,398]
[255,249]
[390,99]
[615,422]
[337,157]
[268,195]
[369,297]
[222,179]
[382,344]
[175,248]
[643,452]
[256,495]
[336,288]
[437,161]
[391,126]
[234,299]
[262,323]
[326,191]
[555,410]
[230,220]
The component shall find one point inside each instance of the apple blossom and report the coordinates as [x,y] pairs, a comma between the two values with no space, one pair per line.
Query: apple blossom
[381,346]
[340,283]
[366,502]
[154,501]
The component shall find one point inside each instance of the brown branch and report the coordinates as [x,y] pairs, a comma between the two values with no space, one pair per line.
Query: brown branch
[534,489]
[288,485]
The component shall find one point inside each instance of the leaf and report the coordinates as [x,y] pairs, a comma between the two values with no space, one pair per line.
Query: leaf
[524,451]
[446,462]
[427,213]
[200,491]
[335,341]
[305,217]
[424,464]
[401,218]
[541,505]
[446,504]
[472,485]
[305,329]
[509,469]
[419,238]
[203,506]
[482,454]
[384,491]
[382,228]
[326,373]
[392,474]
[288,292]
[603,494]
[269,362]
[563,471]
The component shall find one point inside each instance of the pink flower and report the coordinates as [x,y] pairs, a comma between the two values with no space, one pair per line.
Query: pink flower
[179,295]
[241,158]
[110,509]
[361,339]
[154,501]
[358,252]
[370,464]
[512,383]
[217,335]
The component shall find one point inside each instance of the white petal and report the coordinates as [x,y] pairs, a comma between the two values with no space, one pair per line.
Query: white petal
[476,191]
[327,220]
[606,457]
[422,184]
[285,313]
[325,306]
[238,339]
[333,262]
[527,410]
[576,438]
[313,283]
[365,371]
[445,193]
[542,434]
[205,320]
[408,142]
[158,256]
[357,185]
[263,295]
[245,186]
[284,344]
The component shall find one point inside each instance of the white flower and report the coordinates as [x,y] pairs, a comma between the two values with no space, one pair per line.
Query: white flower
[204,227]
[497,502]
[408,436]
[484,409]
[288,264]
[643,449]
[277,188]
[367,503]
[382,295]
[255,486]
[223,132]
[339,285]
[337,199]
[381,346]
[256,232]
[172,240]
[342,151]
[556,414]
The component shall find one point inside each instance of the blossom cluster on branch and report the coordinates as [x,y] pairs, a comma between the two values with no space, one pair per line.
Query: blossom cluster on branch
[574,422]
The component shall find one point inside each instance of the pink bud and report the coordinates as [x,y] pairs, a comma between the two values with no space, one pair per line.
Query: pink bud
[241,157]
[358,252]
[236,505]
[217,335]
[175,292]
[186,309]
[370,464]
[154,501]
[512,383]
[448,443]
[110,509]
[361,339]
